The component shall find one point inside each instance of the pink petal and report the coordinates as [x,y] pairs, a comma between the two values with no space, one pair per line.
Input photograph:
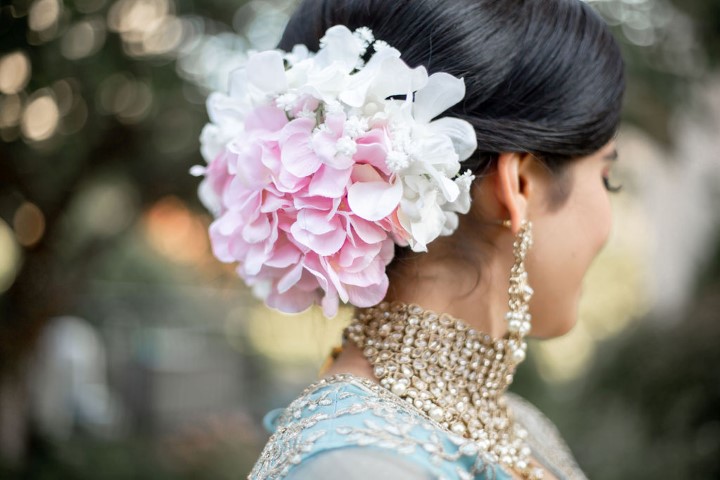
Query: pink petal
[334,279]
[272,202]
[366,173]
[286,182]
[353,258]
[247,163]
[254,258]
[366,277]
[298,126]
[368,296]
[369,232]
[313,202]
[315,221]
[330,304]
[283,255]
[298,157]
[326,243]
[257,231]
[220,243]
[290,278]
[329,182]
[266,118]
[323,143]
[292,301]
[336,123]
[372,149]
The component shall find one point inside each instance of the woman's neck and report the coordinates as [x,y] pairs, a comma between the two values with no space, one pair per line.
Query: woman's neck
[479,298]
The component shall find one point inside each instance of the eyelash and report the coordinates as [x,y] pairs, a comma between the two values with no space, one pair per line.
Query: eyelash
[611,188]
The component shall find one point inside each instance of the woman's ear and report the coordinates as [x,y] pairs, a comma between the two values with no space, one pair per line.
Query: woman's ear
[513,186]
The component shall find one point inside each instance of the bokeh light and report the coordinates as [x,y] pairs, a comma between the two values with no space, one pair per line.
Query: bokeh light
[44,14]
[175,232]
[10,256]
[44,19]
[10,110]
[83,38]
[130,100]
[146,27]
[14,72]
[41,116]
[29,224]
[89,6]
[104,207]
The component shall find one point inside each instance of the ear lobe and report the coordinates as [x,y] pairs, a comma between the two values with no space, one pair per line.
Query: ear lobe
[512,188]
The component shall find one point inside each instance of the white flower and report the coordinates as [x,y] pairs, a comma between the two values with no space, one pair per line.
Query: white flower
[380,45]
[397,160]
[346,146]
[356,126]
[286,101]
[425,151]
[366,35]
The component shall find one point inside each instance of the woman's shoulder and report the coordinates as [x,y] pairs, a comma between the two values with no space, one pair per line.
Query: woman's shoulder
[346,421]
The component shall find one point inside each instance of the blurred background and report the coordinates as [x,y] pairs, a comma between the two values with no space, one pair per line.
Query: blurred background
[126,349]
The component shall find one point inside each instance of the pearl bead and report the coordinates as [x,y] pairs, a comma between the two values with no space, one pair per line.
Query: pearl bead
[437,413]
[518,355]
[399,388]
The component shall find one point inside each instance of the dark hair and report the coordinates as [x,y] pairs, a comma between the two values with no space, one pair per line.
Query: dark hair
[542,76]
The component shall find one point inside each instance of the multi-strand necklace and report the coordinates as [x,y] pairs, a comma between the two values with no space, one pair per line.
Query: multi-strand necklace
[452,373]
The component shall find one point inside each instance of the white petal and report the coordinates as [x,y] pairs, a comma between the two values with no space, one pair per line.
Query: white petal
[266,71]
[449,189]
[441,92]
[374,201]
[226,111]
[212,141]
[430,227]
[460,132]
[340,46]
[396,78]
[356,90]
[197,170]
[451,223]
[209,198]
[238,82]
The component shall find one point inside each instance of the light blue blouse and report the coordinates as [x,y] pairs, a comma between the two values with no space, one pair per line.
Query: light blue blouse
[347,427]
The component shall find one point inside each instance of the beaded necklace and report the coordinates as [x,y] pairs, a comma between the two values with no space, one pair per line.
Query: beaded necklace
[449,371]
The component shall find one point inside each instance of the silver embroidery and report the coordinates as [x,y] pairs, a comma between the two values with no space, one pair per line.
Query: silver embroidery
[392,429]
[287,444]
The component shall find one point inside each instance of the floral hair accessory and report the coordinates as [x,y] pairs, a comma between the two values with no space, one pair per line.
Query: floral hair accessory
[317,164]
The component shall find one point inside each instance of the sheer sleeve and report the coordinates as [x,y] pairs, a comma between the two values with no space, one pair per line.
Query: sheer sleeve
[358,463]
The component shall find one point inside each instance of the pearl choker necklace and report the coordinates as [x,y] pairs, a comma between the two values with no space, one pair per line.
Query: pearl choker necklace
[449,371]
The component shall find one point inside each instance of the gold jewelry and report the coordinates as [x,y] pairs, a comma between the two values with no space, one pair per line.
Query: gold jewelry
[449,371]
[520,292]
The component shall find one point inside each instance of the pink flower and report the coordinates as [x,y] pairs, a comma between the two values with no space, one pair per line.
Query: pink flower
[308,214]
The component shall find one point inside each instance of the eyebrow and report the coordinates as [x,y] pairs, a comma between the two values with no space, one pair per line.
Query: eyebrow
[612,156]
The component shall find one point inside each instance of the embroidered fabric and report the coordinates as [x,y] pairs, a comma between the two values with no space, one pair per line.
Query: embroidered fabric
[358,464]
[345,412]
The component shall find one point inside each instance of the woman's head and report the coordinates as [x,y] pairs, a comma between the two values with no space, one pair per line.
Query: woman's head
[544,86]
